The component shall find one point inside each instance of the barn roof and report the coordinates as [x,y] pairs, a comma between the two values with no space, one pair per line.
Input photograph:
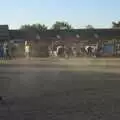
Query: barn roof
[64,34]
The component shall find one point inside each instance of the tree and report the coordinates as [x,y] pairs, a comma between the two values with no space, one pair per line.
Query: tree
[39,27]
[34,27]
[25,27]
[89,27]
[116,24]
[61,26]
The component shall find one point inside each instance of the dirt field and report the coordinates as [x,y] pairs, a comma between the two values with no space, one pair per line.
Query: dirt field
[81,89]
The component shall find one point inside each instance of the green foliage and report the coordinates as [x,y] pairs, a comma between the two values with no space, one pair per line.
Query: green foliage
[34,27]
[89,27]
[61,26]
[116,24]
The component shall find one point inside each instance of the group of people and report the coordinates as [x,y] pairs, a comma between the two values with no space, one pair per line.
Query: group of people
[7,51]
[59,50]
[63,50]
[4,50]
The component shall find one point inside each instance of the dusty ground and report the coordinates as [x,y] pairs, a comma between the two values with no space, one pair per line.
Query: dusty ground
[46,89]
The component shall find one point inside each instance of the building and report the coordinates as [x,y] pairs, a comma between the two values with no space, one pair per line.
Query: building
[82,35]
[75,34]
[45,38]
[4,33]
[92,35]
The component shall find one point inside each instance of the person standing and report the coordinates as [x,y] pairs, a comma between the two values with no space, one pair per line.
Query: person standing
[5,52]
[66,52]
[13,49]
[27,50]
[8,52]
[0,50]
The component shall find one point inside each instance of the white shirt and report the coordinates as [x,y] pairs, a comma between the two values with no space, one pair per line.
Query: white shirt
[27,48]
[58,48]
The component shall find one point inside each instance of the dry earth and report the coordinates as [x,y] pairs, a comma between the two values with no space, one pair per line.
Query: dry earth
[47,89]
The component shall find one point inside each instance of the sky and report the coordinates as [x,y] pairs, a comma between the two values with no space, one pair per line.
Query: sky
[79,13]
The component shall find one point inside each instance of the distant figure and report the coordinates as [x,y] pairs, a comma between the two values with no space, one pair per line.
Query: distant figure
[50,51]
[27,51]
[60,51]
[74,52]
[91,50]
[13,49]
[1,51]
[7,52]
[54,50]
[67,52]
[26,43]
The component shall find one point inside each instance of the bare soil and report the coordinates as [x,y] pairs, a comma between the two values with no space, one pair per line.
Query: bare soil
[69,92]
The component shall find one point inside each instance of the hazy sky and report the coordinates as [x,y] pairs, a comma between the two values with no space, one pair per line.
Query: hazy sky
[79,13]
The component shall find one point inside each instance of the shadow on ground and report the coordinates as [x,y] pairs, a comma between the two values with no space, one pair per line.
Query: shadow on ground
[62,95]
